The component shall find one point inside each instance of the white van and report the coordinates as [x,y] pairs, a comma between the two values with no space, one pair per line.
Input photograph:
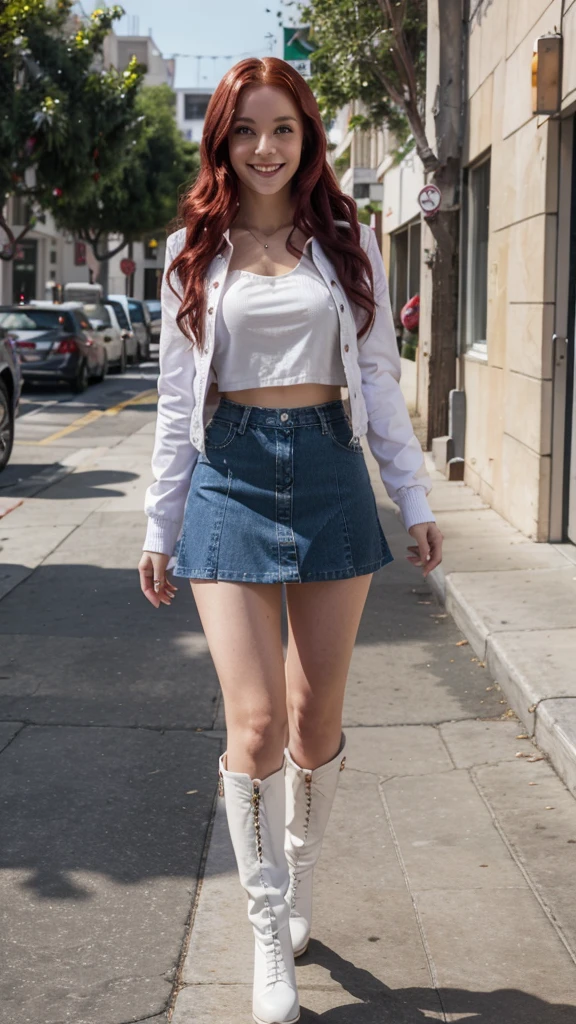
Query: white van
[81,291]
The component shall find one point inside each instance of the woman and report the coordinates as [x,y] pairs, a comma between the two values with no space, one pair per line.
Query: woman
[274,294]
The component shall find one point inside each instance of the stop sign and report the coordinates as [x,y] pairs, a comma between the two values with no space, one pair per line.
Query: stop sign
[127,267]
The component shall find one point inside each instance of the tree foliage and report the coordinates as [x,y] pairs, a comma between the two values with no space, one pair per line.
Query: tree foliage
[65,119]
[140,194]
[373,51]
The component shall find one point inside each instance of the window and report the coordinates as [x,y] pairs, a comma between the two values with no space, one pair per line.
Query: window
[362,190]
[97,314]
[476,213]
[136,314]
[120,314]
[195,107]
[35,320]
[404,266]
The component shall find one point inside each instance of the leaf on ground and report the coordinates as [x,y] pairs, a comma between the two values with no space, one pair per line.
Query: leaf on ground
[522,736]
[190,791]
[537,757]
[461,643]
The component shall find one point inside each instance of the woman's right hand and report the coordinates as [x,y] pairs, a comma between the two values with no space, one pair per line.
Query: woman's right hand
[154,583]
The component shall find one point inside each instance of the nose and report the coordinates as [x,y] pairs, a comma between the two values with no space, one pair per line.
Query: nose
[265,145]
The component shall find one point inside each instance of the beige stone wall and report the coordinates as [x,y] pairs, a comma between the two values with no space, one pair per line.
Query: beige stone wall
[509,394]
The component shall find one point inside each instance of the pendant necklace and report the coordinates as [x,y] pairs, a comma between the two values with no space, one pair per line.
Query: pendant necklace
[265,244]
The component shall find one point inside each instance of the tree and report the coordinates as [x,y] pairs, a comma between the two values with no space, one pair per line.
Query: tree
[375,51]
[140,194]
[64,118]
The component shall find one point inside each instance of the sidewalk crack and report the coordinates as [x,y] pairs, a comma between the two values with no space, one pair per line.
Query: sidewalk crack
[520,865]
[417,915]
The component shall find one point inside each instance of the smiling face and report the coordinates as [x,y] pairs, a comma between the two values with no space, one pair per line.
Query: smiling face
[265,139]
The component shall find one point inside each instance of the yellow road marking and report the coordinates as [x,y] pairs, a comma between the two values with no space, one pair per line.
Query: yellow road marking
[93,415]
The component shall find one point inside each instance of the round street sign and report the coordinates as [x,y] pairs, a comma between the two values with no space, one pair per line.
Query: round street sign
[127,267]
[429,199]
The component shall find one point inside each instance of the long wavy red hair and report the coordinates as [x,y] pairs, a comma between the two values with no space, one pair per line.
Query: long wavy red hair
[210,206]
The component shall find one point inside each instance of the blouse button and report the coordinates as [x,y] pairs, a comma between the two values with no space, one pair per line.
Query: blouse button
[332,282]
[216,283]
[341,307]
[346,348]
[211,310]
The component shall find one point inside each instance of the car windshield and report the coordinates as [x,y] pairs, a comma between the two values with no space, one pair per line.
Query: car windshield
[154,308]
[136,312]
[35,320]
[120,314]
[96,313]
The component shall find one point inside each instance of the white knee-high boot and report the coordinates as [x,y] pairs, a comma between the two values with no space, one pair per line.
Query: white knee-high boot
[255,810]
[309,798]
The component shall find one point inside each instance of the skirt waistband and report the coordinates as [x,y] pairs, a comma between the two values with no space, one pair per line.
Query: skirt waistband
[303,416]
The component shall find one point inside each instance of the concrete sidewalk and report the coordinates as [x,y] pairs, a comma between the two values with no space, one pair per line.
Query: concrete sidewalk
[515,601]
[445,889]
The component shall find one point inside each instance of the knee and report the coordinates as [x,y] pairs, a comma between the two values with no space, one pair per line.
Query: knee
[312,722]
[260,732]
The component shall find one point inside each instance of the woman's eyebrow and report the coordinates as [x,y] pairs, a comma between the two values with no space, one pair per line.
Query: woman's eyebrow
[252,121]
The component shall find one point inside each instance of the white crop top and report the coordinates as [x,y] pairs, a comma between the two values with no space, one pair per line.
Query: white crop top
[277,330]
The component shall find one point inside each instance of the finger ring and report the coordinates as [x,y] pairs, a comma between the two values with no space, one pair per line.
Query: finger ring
[157,584]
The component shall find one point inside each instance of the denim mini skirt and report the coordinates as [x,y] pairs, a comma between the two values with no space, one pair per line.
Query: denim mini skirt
[280,496]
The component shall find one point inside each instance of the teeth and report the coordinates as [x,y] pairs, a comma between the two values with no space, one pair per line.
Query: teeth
[268,169]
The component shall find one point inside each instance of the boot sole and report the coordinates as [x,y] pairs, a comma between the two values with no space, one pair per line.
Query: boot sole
[293,1020]
[300,952]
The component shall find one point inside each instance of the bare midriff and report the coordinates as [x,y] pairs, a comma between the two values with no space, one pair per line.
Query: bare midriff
[289,396]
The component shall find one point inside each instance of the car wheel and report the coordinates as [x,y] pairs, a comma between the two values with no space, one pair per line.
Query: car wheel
[120,367]
[102,373]
[6,426]
[82,379]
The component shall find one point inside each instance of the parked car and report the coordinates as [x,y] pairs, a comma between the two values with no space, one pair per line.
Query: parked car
[56,342]
[10,388]
[126,328]
[139,315]
[140,321]
[103,319]
[155,310]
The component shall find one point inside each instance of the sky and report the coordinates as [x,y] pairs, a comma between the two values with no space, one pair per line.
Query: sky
[212,28]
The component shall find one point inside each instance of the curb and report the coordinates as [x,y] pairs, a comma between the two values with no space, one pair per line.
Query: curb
[551,721]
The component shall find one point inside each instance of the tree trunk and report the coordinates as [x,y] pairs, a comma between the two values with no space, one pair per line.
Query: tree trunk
[445,227]
[444,323]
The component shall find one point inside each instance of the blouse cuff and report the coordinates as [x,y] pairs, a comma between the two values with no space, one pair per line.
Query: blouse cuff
[161,536]
[414,507]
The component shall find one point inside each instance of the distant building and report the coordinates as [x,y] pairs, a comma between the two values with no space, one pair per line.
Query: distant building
[119,50]
[191,106]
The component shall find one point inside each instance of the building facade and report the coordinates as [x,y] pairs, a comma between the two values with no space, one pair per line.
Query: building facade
[515,355]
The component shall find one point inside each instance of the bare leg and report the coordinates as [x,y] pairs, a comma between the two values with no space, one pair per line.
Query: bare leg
[242,624]
[323,622]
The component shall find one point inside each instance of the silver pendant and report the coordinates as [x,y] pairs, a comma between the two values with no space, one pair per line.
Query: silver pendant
[265,245]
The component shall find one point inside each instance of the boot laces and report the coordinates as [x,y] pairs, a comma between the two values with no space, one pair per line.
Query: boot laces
[275,966]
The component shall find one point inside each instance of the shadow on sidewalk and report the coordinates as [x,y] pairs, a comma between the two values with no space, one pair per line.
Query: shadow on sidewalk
[89,484]
[381,1005]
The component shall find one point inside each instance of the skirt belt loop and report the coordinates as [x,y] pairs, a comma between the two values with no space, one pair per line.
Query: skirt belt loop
[322,417]
[244,420]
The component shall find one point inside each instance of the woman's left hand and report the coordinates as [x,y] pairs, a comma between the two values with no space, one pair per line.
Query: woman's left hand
[428,549]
